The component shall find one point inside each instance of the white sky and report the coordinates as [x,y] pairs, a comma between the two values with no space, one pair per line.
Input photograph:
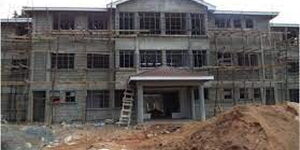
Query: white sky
[289,9]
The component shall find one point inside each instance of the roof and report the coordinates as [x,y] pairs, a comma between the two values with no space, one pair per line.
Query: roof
[170,74]
[256,13]
[16,20]
[87,9]
[202,2]
[295,25]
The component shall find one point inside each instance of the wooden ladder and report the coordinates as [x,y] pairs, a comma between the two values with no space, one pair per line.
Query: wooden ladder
[127,104]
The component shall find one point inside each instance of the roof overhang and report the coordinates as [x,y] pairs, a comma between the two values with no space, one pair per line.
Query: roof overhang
[82,9]
[291,25]
[16,20]
[170,78]
[254,13]
[202,2]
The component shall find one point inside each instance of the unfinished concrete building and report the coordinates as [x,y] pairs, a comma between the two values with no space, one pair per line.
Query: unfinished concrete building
[154,59]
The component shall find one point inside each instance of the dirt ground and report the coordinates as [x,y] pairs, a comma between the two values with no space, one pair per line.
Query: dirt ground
[241,128]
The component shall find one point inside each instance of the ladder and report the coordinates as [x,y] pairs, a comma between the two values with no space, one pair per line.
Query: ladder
[127,104]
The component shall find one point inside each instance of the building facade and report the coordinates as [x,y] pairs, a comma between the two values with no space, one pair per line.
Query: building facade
[183,58]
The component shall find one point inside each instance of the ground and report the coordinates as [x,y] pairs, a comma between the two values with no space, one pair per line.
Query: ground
[241,128]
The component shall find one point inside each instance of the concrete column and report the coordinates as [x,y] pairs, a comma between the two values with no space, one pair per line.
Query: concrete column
[48,66]
[164,58]
[263,95]
[276,94]
[193,104]
[136,21]
[117,59]
[117,17]
[140,103]
[163,23]
[48,112]
[188,25]
[137,54]
[30,107]
[202,102]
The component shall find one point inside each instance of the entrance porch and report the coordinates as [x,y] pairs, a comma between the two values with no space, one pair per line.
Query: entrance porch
[168,93]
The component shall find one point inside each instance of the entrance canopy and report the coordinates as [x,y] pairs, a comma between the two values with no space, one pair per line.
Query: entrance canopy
[171,74]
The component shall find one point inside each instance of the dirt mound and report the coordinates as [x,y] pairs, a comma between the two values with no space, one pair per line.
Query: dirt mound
[242,128]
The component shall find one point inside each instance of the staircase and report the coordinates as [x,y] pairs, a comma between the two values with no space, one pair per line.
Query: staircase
[127,104]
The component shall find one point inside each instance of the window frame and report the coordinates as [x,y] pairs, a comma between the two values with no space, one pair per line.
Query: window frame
[227,91]
[203,60]
[126,55]
[98,19]
[60,21]
[251,25]
[176,23]
[198,24]
[146,58]
[237,23]
[150,21]
[98,61]
[97,99]
[126,22]
[72,98]
[171,56]
[58,58]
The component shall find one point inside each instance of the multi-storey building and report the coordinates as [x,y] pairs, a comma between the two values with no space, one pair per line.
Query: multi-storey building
[183,58]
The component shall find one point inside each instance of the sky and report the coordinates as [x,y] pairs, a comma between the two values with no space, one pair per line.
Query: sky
[289,9]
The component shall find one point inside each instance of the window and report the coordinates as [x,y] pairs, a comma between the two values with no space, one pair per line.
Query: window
[247,59]
[151,22]
[97,99]
[97,21]
[249,23]
[177,58]
[150,58]
[118,97]
[97,61]
[224,58]
[243,93]
[55,96]
[227,93]
[69,96]
[126,59]
[198,27]
[294,95]
[19,69]
[256,93]
[199,58]
[62,61]
[175,23]
[293,67]
[237,23]
[222,23]
[63,21]
[126,22]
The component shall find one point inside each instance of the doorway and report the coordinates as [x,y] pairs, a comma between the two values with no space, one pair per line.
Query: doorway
[39,98]
[161,105]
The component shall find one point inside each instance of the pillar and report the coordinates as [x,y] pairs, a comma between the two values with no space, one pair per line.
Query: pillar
[140,104]
[162,23]
[193,104]
[30,107]
[263,95]
[202,102]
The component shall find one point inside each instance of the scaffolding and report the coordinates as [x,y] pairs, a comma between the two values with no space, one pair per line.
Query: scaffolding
[227,45]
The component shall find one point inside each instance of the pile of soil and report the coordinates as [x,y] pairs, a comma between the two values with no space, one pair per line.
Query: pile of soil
[242,128]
